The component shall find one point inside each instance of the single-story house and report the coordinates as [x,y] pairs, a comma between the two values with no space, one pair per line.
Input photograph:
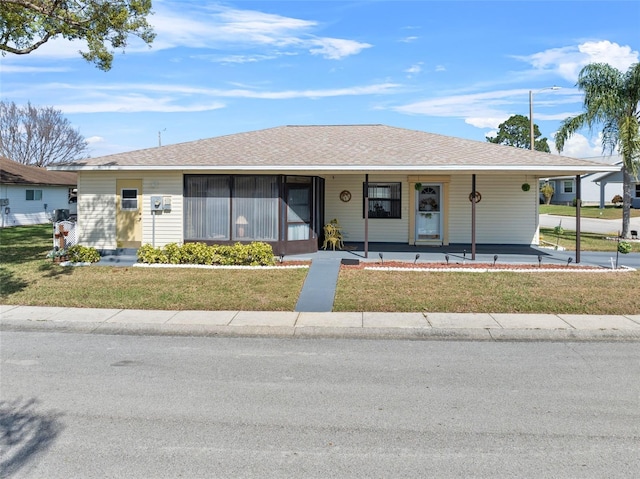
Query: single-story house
[281,185]
[597,188]
[613,181]
[30,195]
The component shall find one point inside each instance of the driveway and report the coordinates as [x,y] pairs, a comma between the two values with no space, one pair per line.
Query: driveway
[588,225]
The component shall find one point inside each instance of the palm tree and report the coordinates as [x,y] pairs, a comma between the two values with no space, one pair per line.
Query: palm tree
[611,99]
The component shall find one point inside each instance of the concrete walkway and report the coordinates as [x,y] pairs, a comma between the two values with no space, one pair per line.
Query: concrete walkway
[418,326]
[319,288]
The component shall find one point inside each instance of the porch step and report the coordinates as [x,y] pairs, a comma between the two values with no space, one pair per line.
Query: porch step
[118,257]
[319,288]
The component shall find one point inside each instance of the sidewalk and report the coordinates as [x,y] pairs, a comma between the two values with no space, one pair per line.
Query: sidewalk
[352,325]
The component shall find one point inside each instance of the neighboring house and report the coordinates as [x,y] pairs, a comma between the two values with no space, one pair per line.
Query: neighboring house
[281,185]
[29,195]
[612,182]
[596,188]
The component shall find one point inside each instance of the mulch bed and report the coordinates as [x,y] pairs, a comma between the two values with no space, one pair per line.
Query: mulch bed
[457,266]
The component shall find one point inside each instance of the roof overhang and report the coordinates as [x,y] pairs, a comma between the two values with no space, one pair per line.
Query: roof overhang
[556,170]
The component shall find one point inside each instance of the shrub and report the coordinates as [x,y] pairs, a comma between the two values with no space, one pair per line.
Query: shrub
[83,254]
[253,254]
[617,200]
[624,247]
[196,253]
[149,254]
[173,253]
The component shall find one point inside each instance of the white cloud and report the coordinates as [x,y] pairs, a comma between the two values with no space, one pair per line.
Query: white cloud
[440,68]
[414,69]
[409,39]
[217,27]
[486,122]
[92,140]
[170,98]
[483,110]
[579,146]
[568,61]
[135,103]
[335,48]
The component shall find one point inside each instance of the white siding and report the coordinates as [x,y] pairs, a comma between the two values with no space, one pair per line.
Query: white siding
[349,215]
[168,224]
[97,207]
[506,214]
[33,212]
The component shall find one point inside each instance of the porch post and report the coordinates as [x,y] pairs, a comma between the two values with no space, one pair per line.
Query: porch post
[366,215]
[578,206]
[473,216]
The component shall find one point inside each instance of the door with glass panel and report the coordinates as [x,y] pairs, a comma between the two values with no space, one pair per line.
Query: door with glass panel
[129,213]
[429,214]
[299,210]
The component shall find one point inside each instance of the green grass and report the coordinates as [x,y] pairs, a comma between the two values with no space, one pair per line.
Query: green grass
[608,213]
[28,278]
[588,241]
[553,293]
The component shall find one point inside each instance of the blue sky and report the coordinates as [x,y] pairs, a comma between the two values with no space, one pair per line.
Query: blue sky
[455,68]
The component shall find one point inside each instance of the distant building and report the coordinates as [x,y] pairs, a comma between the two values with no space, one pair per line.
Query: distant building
[31,195]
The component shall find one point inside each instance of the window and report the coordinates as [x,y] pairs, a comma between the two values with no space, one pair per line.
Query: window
[129,199]
[384,200]
[567,186]
[231,208]
[34,195]
[637,190]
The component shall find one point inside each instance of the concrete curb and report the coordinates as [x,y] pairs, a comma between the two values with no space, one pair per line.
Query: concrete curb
[319,332]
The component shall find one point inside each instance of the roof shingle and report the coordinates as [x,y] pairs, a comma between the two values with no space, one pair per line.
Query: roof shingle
[329,147]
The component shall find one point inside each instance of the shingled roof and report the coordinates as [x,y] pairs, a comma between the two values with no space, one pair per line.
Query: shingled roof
[13,173]
[339,148]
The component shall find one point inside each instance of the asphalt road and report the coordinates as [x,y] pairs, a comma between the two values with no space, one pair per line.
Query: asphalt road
[588,225]
[86,406]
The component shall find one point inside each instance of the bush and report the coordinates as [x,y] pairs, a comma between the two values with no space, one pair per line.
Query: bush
[83,254]
[253,254]
[150,255]
[617,200]
[624,247]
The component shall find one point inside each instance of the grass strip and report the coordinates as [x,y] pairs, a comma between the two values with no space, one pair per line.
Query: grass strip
[554,293]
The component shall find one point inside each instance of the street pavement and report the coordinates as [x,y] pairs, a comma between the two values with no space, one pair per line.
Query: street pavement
[588,225]
[289,324]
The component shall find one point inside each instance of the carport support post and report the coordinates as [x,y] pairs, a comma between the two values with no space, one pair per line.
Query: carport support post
[366,215]
[578,206]
[473,216]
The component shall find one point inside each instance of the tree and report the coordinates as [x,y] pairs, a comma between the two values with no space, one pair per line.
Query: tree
[25,25]
[547,191]
[516,131]
[38,136]
[611,100]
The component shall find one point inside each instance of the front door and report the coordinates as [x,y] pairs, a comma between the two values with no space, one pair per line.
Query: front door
[429,214]
[129,213]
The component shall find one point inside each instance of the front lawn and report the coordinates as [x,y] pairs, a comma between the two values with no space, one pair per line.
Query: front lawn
[553,293]
[28,278]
